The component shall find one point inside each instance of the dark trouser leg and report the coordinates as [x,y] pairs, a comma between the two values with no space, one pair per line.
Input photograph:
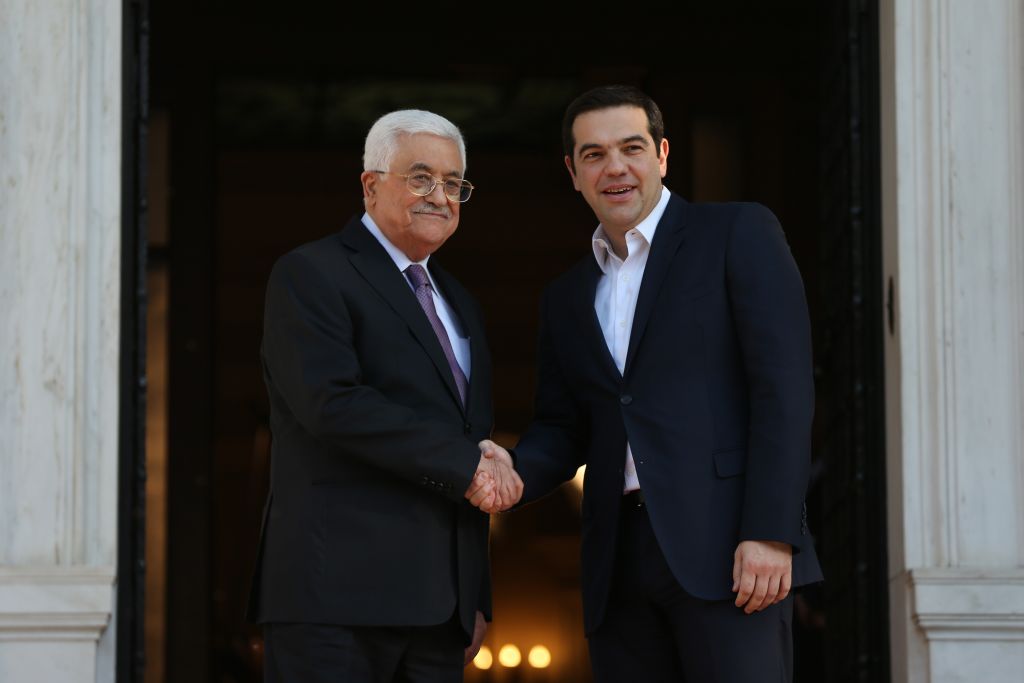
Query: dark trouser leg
[655,632]
[323,653]
[434,654]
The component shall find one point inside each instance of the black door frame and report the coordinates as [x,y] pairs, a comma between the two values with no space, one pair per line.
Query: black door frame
[850,359]
[849,349]
[131,540]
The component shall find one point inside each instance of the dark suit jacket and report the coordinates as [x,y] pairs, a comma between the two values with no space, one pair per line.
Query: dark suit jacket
[716,400]
[372,451]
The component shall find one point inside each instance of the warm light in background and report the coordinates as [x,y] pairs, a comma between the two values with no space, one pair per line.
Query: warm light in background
[539,657]
[483,659]
[577,481]
[509,656]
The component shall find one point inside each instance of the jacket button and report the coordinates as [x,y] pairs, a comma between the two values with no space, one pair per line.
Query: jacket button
[467,428]
[625,399]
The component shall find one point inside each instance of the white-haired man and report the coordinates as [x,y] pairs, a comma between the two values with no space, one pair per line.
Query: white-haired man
[372,565]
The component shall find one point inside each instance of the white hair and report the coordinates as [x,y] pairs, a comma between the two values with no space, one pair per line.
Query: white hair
[382,140]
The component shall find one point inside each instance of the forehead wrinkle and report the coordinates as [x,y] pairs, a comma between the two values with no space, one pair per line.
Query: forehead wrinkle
[423,166]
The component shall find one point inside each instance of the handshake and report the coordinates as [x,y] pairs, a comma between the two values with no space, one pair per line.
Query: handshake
[495,486]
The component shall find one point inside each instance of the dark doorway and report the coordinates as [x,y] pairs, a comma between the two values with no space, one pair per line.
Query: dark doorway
[263,114]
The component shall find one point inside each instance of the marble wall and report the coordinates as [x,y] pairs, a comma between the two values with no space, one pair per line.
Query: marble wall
[60,158]
[953,181]
[953,221]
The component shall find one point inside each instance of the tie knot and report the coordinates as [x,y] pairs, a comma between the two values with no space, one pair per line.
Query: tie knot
[417,275]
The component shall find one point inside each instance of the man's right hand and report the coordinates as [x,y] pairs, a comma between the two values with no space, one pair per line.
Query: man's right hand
[496,486]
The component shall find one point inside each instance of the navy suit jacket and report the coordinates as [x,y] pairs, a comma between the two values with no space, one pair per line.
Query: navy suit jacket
[716,400]
[372,452]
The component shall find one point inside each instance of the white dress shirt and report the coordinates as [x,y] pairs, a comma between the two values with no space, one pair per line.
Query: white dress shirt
[459,341]
[617,290]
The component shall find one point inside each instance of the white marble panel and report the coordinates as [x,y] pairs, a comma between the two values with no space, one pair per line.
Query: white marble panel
[952,93]
[60,134]
[1014,85]
[952,221]
[977,661]
[913,85]
[40,662]
[34,285]
[60,177]
[982,325]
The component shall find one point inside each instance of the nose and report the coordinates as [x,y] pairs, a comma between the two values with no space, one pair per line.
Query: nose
[616,165]
[437,195]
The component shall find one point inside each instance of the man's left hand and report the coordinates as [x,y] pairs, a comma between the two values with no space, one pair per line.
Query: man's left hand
[762,574]
[479,631]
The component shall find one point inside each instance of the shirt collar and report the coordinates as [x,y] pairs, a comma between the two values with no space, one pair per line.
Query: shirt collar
[397,255]
[646,228]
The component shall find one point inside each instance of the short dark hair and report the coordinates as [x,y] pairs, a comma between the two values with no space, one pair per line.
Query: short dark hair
[606,97]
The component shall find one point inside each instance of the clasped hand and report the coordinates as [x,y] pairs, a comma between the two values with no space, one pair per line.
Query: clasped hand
[496,486]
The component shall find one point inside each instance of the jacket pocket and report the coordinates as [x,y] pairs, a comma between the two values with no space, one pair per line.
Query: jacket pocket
[730,462]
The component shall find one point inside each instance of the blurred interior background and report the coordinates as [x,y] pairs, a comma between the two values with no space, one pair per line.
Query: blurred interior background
[256,124]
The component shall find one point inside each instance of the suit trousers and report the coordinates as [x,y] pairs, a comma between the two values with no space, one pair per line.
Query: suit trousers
[328,653]
[655,632]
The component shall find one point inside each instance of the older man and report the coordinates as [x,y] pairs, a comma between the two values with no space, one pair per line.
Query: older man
[372,565]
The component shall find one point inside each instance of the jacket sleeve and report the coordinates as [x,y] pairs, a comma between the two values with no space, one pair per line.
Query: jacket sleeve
[769,309]
[484,605]
[552,448]
[310,360]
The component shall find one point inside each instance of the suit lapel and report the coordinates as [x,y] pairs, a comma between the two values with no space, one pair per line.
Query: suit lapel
[376,266]
[589,324]
[461,308]
[667,240]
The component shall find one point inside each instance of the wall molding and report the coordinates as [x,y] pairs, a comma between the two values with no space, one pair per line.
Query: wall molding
[968,604]
[55,604]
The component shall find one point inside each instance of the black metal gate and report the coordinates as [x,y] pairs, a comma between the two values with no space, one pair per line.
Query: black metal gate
[849,349]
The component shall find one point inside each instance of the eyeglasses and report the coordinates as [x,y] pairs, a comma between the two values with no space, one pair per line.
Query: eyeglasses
[421,184]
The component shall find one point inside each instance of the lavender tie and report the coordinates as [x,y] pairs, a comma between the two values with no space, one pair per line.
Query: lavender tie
[421,283]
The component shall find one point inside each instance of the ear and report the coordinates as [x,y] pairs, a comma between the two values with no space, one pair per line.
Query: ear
[663,157]
[572,174]
[369,179]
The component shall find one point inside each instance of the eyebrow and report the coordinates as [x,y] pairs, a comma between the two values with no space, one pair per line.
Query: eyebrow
[632,138]
[421,166]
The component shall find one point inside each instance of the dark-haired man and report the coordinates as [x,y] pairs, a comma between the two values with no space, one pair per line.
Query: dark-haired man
[675,362]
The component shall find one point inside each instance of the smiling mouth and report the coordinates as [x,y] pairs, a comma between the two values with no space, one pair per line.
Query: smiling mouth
[618,190]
